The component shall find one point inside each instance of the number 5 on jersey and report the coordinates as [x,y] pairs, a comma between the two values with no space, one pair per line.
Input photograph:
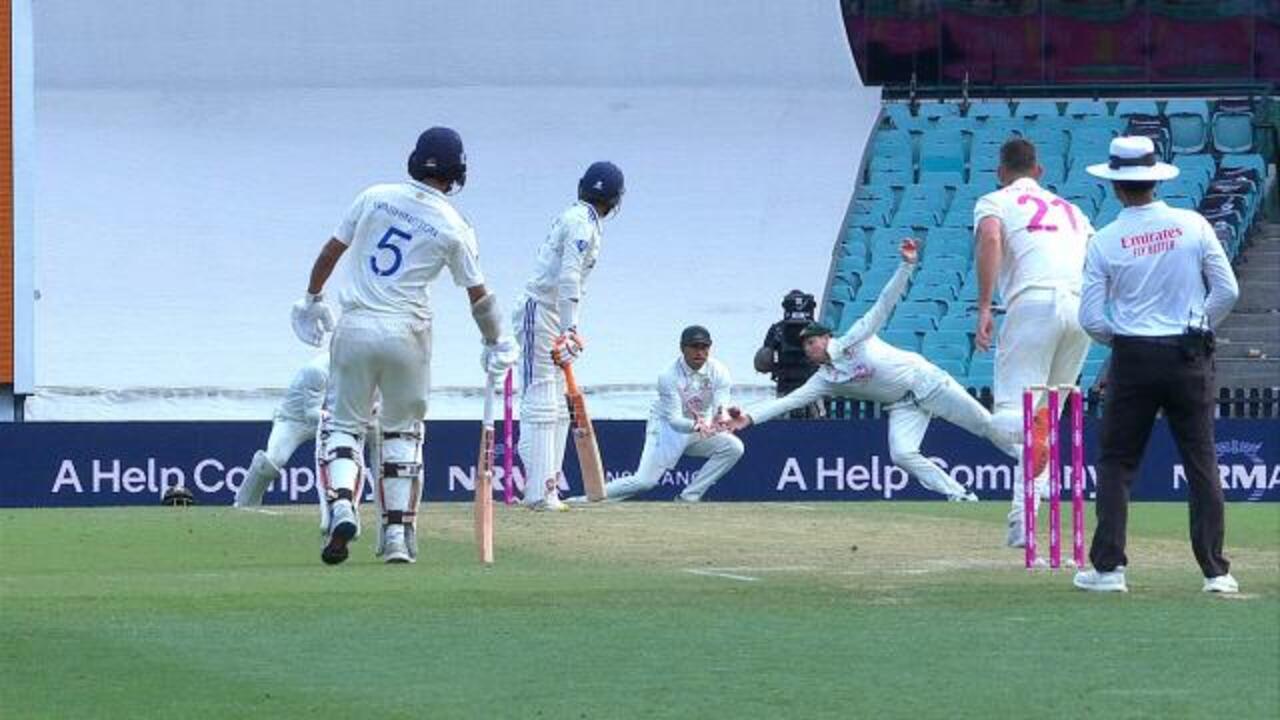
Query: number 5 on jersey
[386,245]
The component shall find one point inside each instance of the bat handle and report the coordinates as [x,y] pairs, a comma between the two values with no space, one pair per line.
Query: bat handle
[508,452]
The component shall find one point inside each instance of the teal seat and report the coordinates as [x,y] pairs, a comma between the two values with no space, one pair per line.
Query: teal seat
[1107,212]
[937,351]
[913,323]
[891,176]
[989,109]
[925,308]
[943,293]
[904,339]
[939,111]
[1188,125]
[1232,131]
[871,282]
[924,196]
[1036,108]
[1087,109]
[1055,170]
[949,241]
[1125,108]
[1252,161]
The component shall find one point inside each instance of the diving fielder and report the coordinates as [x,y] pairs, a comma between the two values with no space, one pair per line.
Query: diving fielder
[860,365]
[689,417]
[547,320]
[402,235]
[295,423]
[1031,246]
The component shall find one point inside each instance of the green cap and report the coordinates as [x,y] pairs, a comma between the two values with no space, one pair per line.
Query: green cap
[814,329]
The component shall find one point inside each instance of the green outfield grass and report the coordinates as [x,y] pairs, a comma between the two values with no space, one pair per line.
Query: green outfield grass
[648,610]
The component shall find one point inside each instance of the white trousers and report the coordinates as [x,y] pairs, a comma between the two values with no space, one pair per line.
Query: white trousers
[909,419]
[371,353]
[287,435]
[1041,343]
[544,415]
[663,448]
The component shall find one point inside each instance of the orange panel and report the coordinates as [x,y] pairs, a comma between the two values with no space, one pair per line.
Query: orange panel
[6,193]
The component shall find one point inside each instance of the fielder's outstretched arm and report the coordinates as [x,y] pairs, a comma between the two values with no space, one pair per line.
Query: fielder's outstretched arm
[878,315]
[814,389]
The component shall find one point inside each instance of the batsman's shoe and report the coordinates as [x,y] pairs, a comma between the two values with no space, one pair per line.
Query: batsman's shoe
[342,528]
[1016,535]
[550,502]
[395,551]
[1221,584]
[1040,443]
[1099,581]
[686,500]
[967,497]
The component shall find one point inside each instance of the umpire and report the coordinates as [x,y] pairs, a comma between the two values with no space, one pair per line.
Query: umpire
[1166,281]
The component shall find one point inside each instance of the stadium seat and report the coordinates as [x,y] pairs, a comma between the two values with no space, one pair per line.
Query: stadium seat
[1055,170]
[948,241]
[957,369]
[938,110]
[1188,125]
[983,179]
[871,282]
[1087,109]
[1125,108]
[1253,161]
[929,197]
[992,109]
[943,345]
[904,339]
[923,308]
[891,176]
[1036,108]
[938,293]
[1232,127]
[913,323]
[916,216]
[1107,212]
[1180,201]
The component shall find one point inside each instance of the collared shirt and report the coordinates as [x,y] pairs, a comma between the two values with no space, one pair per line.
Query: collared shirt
[863,366]
[1159,270]
[685,394]
[1044,237]
[306,392]
[401,235]
[565,259]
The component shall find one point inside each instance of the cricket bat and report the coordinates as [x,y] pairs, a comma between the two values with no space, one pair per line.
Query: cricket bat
[584,439]
[484,480]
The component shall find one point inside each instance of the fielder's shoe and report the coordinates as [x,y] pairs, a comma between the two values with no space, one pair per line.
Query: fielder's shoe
[1098,581]
[967,497]
[550,502]
[394,549]
[342,528]
[576,500]
[1221,584]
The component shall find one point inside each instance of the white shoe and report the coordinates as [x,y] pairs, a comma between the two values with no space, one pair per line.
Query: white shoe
[1097,581]
[550,502]
[1015,536]
[1221,584]
[395,550]
[682,500]
[342,528]
[576,500]
[967,497]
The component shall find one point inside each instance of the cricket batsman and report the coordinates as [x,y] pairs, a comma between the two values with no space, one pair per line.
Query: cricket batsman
[547,320]
[861,366]
[689,417]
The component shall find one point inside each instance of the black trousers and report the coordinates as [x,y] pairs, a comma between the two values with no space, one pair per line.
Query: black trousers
[1149,375]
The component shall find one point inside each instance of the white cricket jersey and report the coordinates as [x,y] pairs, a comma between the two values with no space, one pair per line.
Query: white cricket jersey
[1044,237]
[306,391]
[1160,270]
[565,259]
[401,235]
[861,365]
[685,394]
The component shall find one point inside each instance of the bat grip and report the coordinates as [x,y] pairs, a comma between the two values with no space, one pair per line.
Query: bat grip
[570,384]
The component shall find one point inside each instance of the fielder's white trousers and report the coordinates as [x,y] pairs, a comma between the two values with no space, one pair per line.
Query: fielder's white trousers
[544,415]
[909,419]
[663,448]
[1041,343]
[287,435]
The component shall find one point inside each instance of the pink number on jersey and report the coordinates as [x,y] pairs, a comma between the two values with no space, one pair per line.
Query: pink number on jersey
[1066,207]
[1042,209]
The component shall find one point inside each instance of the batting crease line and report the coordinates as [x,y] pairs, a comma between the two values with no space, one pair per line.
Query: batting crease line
[728,576]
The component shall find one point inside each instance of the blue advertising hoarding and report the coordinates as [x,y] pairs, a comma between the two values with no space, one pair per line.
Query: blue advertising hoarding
[130,463]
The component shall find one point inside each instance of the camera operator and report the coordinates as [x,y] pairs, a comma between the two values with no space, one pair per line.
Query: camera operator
[782,353]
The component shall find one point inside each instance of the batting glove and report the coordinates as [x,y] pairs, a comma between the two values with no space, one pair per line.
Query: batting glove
[495,358]
[567,348]
[312,318]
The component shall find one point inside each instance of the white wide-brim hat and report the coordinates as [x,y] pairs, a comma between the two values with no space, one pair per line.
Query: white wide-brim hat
[1133,157]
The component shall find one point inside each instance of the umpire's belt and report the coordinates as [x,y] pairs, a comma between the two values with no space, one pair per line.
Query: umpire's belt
[1167,340]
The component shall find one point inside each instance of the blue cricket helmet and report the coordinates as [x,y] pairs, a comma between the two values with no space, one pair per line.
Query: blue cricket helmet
[439,154]
[602,182]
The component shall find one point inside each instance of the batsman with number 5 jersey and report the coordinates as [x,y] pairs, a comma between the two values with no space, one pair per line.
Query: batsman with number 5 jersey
[401,236]
[546,320]
[1030,246]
